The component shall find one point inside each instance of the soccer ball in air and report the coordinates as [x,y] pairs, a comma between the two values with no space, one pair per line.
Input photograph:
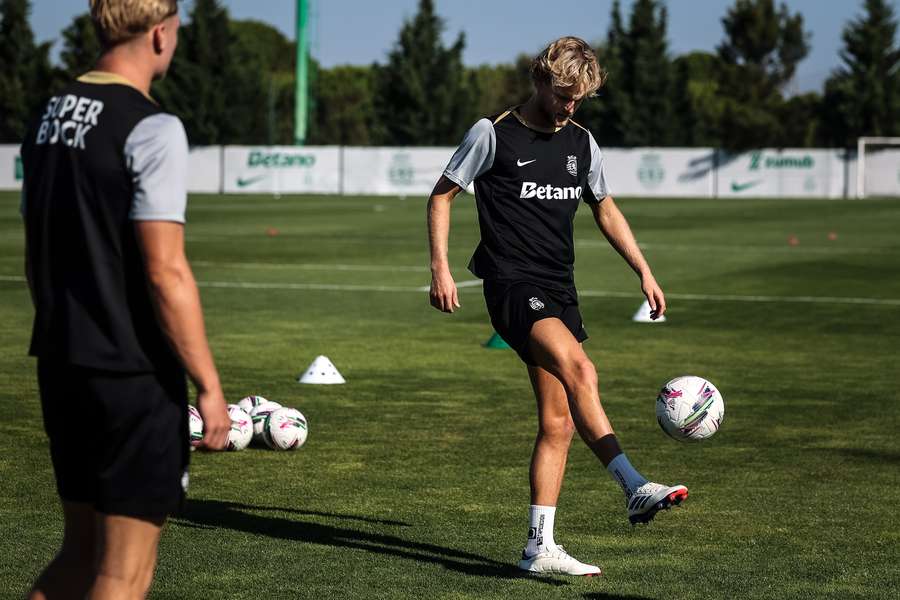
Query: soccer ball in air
[258,416]
[241,428]
[689,409]
[195,424]
[285,429]
[251,402]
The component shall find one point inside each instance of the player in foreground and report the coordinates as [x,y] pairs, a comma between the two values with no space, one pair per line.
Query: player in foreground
[532,166]
[117,311]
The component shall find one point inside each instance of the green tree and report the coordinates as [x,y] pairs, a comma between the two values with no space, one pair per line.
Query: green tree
[344,110]
[863,96]
[502,86]
[646,76]
[759,55]
[26,70]
[81,48]
[216,96]
[423,96]
[608,114]
[635,105]
[697,101]
[265,50]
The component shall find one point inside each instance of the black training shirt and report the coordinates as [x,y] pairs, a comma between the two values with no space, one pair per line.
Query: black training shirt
[99,156]
[528,184]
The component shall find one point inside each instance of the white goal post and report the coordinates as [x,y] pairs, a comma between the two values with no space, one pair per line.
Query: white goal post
[889,168]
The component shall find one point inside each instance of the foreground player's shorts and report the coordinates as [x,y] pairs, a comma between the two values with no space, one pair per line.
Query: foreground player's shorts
[515,307]
[118,441]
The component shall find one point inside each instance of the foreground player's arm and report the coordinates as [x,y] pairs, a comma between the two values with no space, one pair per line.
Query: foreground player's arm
[177,303]
[156,153]
[615,228]
[29,274]
[472,158]
[443,294]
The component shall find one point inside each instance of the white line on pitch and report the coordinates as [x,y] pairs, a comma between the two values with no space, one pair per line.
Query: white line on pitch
[744,249]
[586,293]
[459,284]
[310,266]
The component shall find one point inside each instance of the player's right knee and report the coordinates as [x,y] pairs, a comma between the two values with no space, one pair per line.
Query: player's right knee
[582,374]
[560,429]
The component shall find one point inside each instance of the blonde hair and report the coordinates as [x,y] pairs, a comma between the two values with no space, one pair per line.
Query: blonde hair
[117,21]
[567,62]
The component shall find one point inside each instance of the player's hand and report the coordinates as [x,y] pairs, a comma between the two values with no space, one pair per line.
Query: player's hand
[654,295]
[216,422]
[443,294]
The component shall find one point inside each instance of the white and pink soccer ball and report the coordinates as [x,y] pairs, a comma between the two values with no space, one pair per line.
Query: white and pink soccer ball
[250,402]
[195,425]
[241,431]
[285,429]
[258,416]
[690,409]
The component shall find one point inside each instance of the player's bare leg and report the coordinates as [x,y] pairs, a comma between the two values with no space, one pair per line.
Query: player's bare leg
[128,557]
[548,465]
[557,351]
[554,436]
[71,572]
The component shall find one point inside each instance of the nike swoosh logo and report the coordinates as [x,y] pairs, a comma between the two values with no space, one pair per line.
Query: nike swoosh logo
[241,182]
[740,187]
[519,163]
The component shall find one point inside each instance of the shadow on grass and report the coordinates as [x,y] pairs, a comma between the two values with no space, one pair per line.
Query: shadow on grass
[232,515]
[602,596]
[873,456]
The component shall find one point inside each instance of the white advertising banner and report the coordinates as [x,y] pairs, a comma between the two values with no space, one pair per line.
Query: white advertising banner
[205,170]
[282,169]
[394,171]
[10,167]
[790,172]
[660,171]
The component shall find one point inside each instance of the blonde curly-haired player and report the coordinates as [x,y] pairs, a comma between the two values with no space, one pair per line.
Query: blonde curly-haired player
[532,166]
[118,320]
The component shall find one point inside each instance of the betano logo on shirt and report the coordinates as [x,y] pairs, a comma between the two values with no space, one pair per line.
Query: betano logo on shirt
[549,192]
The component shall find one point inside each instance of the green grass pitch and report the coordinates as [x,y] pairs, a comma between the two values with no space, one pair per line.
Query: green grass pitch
[414,480]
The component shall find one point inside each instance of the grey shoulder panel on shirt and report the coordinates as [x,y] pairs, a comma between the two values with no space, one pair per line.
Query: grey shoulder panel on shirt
[475,154]
[156,153]
[597,173]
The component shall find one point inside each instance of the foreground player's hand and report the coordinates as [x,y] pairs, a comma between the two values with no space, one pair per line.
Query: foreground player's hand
[654,295]
[443,293]
[216,422]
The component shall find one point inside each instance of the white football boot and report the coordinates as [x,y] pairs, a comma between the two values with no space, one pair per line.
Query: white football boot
[556,562]
[651,498]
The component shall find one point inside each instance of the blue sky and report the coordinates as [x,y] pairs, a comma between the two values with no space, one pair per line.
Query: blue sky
[363,31]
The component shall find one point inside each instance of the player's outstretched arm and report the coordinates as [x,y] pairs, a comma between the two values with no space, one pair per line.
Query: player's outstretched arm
[177,303]
[615,228]
[443,292]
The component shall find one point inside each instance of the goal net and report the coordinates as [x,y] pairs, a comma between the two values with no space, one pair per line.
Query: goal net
[878,167]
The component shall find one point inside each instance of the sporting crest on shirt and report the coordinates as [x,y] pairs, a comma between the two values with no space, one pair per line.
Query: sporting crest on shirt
[535,303]
[572,165]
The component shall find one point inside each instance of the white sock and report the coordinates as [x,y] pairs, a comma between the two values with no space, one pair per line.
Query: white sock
[625,475]
[540,529]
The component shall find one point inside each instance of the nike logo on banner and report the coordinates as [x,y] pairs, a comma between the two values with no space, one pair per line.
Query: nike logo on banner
[250,181]
[740,187]
[519,163]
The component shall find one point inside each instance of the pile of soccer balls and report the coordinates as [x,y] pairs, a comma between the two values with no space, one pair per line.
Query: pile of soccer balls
[263,422]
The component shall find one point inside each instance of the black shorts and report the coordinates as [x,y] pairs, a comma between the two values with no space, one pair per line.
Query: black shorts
[118,441]
[516,306]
